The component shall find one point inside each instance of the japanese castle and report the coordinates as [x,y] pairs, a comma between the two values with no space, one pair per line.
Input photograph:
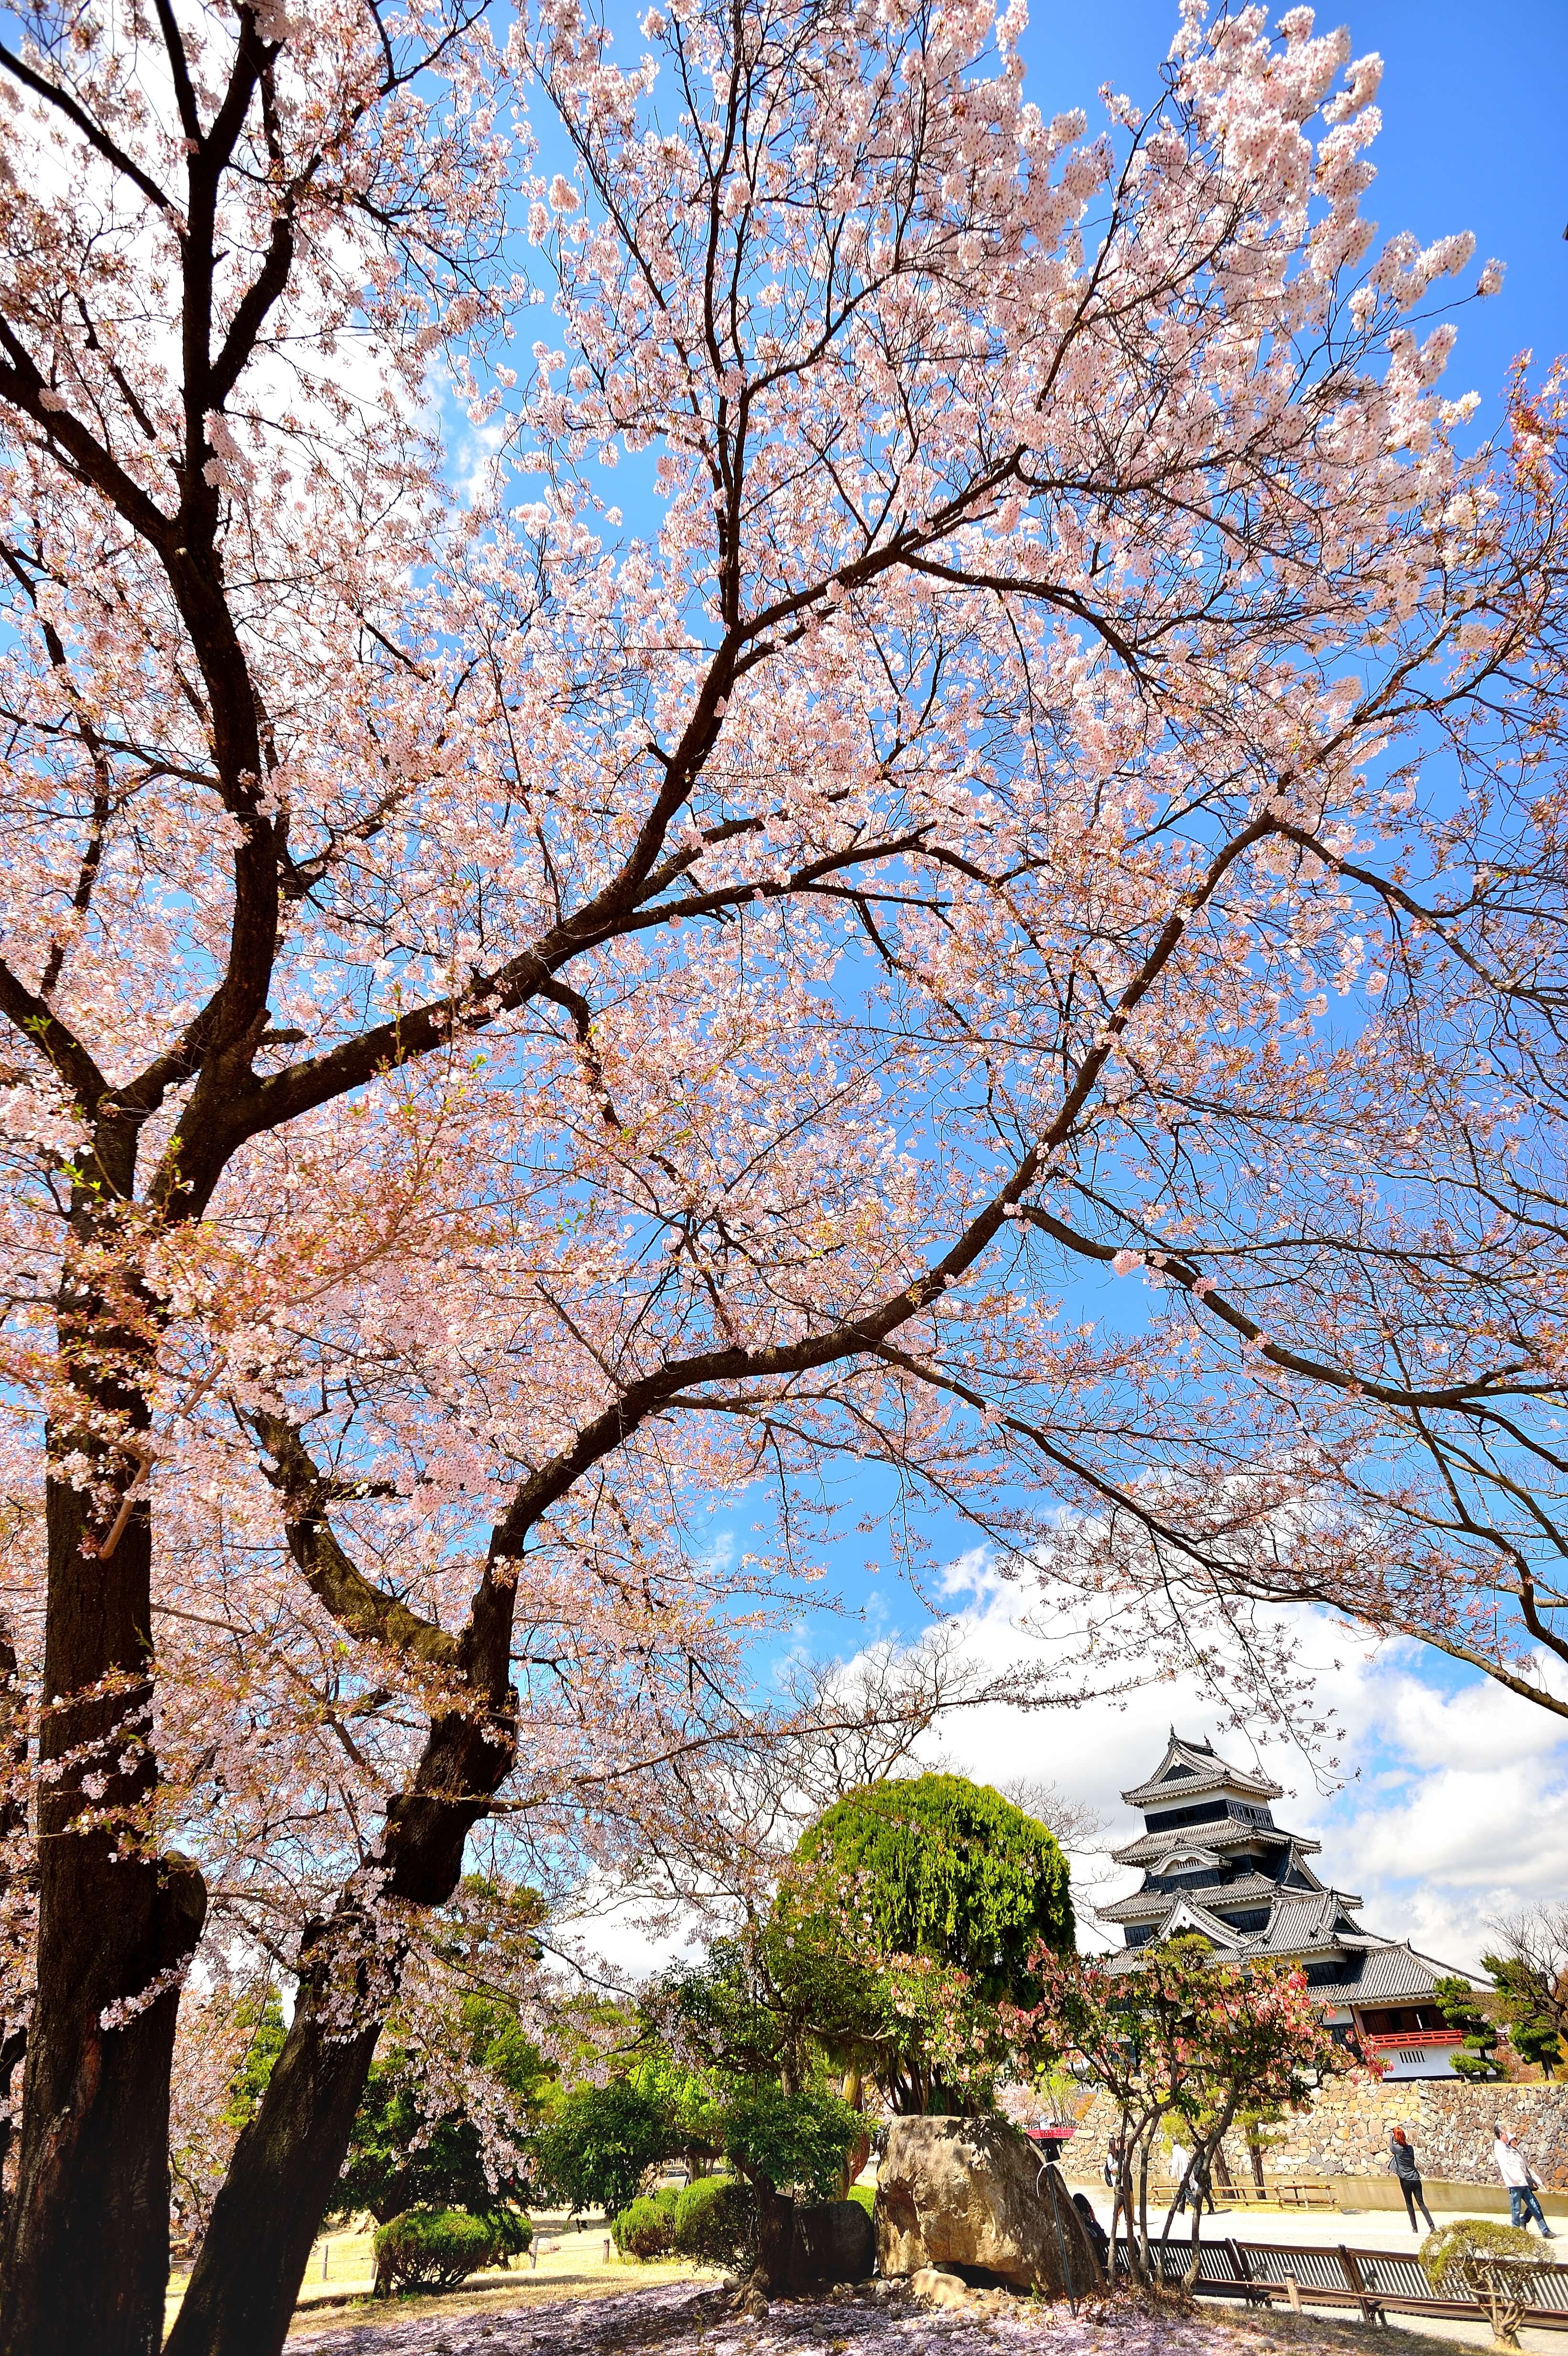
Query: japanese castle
[1215,1863]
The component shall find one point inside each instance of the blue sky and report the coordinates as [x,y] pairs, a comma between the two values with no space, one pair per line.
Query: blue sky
[1446,1804]
[1449,1804]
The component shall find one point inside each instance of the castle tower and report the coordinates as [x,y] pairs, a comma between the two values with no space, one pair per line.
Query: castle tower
[1216,1864]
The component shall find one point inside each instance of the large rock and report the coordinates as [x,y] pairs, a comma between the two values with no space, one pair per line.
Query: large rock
[834,2242]
[969,2194]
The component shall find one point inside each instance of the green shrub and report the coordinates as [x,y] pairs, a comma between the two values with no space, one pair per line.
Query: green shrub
[1456,2259]
[1477,2057]
[645,2228]
[798,2143]
[513,2232]
[434,2249]
[716,2221]
[1475,2259]
[950,1868]
[865,2194]
[594,2152]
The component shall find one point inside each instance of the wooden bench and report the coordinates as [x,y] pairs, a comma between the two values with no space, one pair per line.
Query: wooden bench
[1160,2196]
[1301,2191]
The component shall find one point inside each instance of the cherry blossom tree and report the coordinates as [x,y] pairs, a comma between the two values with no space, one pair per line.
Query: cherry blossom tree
[1177,2035]
[524,1030]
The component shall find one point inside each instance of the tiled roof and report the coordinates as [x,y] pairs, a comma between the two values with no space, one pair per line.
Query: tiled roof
[1201,1770]
[1196,1917]
[1381,1972]
[1391,1972]
[1309,1923]
[1247,1890]
[1307,1920]
[1229,1832]
[1312,1923]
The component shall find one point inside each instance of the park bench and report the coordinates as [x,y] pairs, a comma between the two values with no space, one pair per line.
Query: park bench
[1301,2191]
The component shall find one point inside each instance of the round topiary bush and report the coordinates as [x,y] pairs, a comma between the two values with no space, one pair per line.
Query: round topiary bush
[948,1868]
[435,2249]
[716,2221]
[646,2229]
[1455,2256]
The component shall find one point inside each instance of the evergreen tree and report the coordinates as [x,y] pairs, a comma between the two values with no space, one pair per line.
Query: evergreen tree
[915,1918]
[1477,2058]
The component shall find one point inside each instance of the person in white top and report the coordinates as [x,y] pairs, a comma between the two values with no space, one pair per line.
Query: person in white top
[1180,2160]
[1521,2179]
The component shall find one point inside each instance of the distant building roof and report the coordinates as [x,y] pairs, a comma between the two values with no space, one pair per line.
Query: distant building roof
[1248,1890]
[1392,1970]
[1231,1831]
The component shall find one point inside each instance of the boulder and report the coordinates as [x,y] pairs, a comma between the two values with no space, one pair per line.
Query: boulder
[971,2195]
[834,2242]
[940,2287]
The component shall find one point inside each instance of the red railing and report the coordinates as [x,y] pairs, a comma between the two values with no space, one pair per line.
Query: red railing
[1412,2037]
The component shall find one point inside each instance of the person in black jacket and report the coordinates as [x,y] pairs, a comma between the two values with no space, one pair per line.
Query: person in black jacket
[1407,2168]
[1100,2239]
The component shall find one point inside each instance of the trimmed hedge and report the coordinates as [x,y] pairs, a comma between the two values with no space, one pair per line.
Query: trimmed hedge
[513,2232]
[645,2228]
[435,2249]
[716,2221]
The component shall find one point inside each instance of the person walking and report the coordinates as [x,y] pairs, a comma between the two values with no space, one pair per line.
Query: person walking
[1180,2161]
[1112,2168]
[1407,2168]
[1522,2180]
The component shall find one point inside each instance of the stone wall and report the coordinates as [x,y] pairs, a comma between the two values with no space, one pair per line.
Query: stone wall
[1345,2131]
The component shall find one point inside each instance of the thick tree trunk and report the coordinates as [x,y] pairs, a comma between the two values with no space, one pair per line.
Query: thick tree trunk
[774,2269]
[87,2235]
[12,2051]
[253,2255]
[13,1821]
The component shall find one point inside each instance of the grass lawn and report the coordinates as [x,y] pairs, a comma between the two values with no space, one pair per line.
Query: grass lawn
[569,2266]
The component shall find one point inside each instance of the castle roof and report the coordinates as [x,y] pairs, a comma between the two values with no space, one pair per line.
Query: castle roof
[1248,1890]
[1195,1770]
[1226,1833]
[1308,1921]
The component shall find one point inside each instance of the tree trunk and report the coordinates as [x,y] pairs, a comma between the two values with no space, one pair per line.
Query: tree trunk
[87,2235]
[253,2255]
[13,1821]
[774,2268]
[860,2152]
